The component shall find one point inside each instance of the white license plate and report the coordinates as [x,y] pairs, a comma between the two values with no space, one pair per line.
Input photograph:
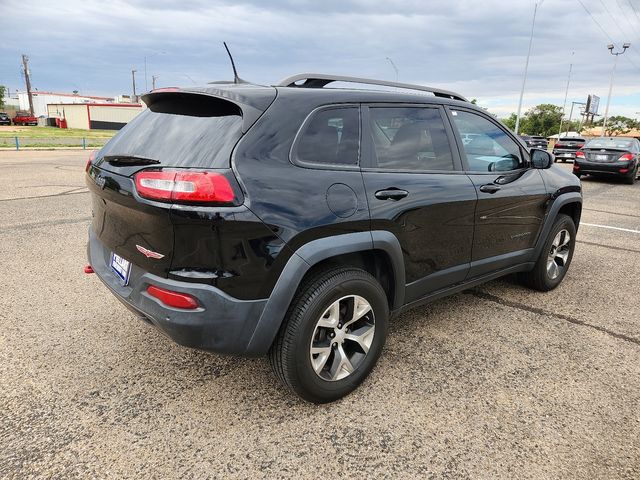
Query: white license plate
[602,157]
[121,267]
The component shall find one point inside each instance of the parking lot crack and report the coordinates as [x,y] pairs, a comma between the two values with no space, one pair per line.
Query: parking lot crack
[612,247]
[541,311]
[50,223]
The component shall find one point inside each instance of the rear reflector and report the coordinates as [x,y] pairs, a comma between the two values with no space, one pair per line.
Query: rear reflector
[173,299]
[624,170]
[576,167]
[88,269]
[579,154]
[627,157]
[184,186]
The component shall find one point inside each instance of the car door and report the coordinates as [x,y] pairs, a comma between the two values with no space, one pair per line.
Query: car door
[512,196]
[416,189]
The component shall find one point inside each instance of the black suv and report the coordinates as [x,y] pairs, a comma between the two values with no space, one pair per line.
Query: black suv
[535,141]
[295,220]
[566,148]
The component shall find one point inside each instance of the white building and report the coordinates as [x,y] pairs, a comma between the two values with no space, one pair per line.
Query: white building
[106,116]
[42,99]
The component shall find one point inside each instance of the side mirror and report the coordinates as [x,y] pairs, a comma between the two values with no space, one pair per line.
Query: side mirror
[541,158]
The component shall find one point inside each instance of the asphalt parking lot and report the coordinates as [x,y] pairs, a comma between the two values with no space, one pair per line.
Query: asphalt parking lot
[497,382]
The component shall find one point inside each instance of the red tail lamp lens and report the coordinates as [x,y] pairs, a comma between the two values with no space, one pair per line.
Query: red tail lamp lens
[627,157]
[579,154]
[92,157]
[173,299]
[184,186]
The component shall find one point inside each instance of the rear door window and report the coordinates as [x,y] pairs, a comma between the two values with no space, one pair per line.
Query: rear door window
[180,130]
[410,139]
[331,136]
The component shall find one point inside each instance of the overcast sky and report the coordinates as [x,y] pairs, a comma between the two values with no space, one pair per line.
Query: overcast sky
[477,48]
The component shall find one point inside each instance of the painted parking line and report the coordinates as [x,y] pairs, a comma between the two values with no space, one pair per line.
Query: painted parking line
[610,227]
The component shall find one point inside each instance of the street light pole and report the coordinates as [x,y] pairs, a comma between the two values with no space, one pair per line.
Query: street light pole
[526,65]
[566,93]
[613,72]
[133,80]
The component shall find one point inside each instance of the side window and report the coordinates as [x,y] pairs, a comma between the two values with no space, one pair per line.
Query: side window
[410,138]
[332,137]
[487,146]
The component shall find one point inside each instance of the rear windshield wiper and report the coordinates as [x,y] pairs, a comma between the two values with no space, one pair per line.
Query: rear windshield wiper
[128,161]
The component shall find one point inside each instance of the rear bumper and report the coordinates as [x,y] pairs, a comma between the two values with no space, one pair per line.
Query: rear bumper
[222,323]
[612,168]
[565,154]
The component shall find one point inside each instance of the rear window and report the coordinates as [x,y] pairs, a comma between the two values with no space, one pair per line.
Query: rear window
[181,130]
[609,143]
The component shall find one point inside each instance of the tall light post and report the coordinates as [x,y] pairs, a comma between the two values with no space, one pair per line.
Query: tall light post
[526,65]
[613,72]
[566,93]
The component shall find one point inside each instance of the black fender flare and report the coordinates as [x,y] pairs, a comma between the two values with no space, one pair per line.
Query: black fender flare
[558,203]
[306,257]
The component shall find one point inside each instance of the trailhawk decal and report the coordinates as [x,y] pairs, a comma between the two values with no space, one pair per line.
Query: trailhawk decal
[149,253]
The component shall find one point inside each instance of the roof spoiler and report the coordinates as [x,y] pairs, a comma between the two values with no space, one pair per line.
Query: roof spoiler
[319,80]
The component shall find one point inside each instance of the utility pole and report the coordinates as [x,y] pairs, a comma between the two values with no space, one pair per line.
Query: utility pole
[133,80]
[27,81]
[153,81]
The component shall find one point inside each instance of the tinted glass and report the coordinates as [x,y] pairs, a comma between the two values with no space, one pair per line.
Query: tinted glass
[183,131]
[625,143]
[487,146]
[410,139]
[332,137]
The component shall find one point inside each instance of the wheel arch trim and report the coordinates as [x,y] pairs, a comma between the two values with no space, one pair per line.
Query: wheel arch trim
[306,257]
[558,203]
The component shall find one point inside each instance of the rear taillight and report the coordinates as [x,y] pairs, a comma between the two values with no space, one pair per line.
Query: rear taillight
[580,145]
[185,186]
[627,157]
[173,299]
[579,154]
[92,157]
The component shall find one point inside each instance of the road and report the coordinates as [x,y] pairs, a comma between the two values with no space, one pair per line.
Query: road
[496,382]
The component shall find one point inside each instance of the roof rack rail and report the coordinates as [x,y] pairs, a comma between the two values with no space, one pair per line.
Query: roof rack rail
[319,80]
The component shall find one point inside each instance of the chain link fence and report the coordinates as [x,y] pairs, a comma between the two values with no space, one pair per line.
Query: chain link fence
[18,142]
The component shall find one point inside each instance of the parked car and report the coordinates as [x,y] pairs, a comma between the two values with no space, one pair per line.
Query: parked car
[4,119]
[294,221]
[615,156]
[566,148]
[24,118]
[535,141]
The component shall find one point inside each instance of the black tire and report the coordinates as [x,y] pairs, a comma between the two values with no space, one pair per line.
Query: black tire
[630,180]
[540,278]
[290,354]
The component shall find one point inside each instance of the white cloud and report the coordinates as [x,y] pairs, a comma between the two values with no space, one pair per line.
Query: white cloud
[476,48]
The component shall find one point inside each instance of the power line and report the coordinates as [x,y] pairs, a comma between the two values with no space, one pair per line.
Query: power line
[604,32]
[596,21]
[634,10]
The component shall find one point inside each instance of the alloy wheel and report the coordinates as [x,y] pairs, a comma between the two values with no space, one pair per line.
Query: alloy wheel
[342,338]
[558,254]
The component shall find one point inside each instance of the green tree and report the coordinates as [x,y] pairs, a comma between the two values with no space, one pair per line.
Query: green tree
[510,121]
[3,91]
[543,119]
[618,125]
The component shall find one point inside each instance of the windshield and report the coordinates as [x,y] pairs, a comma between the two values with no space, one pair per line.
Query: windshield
[624,143]
[181,131]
